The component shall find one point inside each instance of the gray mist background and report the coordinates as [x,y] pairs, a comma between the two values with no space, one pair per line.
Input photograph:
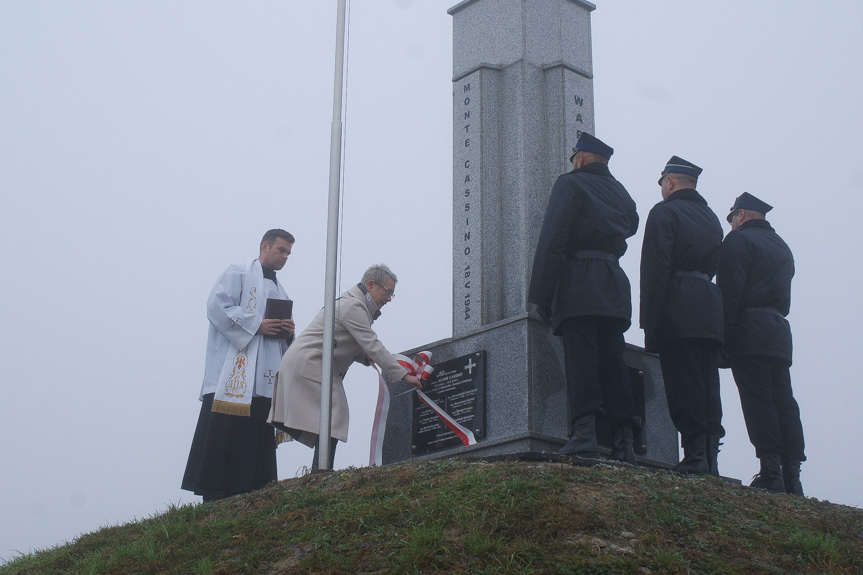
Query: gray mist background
[146,146]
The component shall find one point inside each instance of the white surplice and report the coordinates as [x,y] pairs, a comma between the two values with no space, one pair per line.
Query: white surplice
[235,317]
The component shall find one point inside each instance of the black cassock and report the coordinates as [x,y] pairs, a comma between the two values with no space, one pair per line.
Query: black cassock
[231,454]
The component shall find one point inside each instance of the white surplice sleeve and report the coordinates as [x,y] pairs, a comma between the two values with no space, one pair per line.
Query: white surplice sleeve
[224,310]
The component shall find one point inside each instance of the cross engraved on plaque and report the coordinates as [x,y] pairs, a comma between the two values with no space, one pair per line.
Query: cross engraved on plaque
[469,367]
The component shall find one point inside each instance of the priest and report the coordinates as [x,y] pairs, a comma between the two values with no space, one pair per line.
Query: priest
[234,449]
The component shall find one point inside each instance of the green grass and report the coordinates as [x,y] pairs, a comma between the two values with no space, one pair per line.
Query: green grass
[454,516]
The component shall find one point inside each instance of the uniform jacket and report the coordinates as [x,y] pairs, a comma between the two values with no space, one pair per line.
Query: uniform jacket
[682,235]
[588,210]
[755,271]
[297,390]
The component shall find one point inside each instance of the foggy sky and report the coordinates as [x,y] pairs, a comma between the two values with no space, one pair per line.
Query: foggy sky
[144,147]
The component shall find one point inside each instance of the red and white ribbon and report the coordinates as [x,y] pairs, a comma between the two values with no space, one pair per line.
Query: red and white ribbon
[419,366]
[380,423]
[463,433]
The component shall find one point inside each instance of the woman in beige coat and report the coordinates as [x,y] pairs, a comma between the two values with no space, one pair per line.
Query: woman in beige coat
[296,407]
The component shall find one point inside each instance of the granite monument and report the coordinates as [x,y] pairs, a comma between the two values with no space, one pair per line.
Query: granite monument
[522,94]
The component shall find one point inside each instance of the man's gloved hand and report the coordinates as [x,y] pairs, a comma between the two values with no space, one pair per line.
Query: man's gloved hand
[651,342]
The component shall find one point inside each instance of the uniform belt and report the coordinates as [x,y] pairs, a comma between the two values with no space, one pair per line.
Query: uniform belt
[594,255]
[688,274]
[772,310]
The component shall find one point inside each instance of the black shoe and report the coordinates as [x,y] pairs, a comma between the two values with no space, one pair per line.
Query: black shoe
[694,455]
[791,476]
[770,476]
[582,441]
[622,449]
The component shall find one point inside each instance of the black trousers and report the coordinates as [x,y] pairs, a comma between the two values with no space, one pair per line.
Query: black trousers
[231,454]
[690,369]
[315,456]
[596,378]
[771,413]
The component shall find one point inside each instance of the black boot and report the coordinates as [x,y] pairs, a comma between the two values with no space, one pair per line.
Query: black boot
[694,454]
[622,449]
[713,454]
[582,441]
[770,476]
[791,476]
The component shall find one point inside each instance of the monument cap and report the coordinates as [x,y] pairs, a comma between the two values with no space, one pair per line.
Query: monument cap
[677,165]
[588,143]
[747,201]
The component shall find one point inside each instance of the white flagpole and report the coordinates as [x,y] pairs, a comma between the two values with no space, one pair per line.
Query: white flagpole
[332,246]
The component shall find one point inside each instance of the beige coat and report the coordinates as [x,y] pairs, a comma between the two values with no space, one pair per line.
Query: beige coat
[297,389]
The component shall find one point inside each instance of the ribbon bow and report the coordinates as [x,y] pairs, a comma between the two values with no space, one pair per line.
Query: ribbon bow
[419,366]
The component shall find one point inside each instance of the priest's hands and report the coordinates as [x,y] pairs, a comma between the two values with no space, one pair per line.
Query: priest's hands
[289,326]
[272,327]
[413,380]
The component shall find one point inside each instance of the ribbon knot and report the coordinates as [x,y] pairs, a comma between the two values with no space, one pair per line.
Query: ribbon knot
[419,366]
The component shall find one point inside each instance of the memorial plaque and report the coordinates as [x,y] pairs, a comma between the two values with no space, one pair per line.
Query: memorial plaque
[458,387]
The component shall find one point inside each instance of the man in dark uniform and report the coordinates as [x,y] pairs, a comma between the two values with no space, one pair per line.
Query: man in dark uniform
[582,291]
[681,311]
[755,271]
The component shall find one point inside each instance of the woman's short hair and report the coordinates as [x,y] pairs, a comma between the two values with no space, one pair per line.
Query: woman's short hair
[380,274]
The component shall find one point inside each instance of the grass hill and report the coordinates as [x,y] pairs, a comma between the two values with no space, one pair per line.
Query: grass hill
[456,516]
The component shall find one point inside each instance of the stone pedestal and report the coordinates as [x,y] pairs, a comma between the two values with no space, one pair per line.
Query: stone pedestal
[522,94]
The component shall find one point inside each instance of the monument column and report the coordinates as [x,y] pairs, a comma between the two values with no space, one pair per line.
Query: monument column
[522,94]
